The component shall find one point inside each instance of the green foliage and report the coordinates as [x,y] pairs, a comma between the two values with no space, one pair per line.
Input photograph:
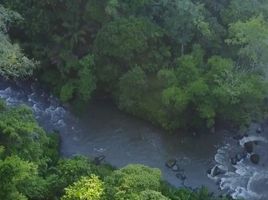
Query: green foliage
[187,70]
[127,42]
[20,135]
[119,8]
[128,182]
[26,153]
[82,86]
[243,10]
[151,195]
[70,170]
[183,19]
[123,38]
[132,85]
[174,97]
[87,188]
[181,64]
[167,77]
[15,173]
[13,63]
[86,83]
[252,37]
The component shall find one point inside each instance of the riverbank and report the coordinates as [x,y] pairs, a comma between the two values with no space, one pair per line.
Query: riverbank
[121,138]
[59,172]
[104,130]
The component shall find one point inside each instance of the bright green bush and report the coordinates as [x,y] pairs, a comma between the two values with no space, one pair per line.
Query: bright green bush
[87,188]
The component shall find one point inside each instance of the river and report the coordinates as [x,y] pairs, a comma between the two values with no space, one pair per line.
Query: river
[103,130]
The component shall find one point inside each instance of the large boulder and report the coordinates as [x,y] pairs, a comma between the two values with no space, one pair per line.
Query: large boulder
[249,146]
[171,163]
[255,158]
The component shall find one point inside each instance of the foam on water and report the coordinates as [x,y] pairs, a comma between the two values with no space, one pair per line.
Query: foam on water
[243,179]
[252,138]
[47,109]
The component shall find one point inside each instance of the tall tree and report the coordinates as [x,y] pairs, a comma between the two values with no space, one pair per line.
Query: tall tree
[13,63]
[251,37]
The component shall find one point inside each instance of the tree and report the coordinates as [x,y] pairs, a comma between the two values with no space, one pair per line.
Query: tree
[132,85]
[126,38]
[120,8]
[15,173]
[13,63]
[87,188]
[21,136]
[234,92]
[251,38]
[128,182]
[151,195]
[183,19]
[243,10]
[167,77]
[70,170]
[82,86]
[187,69]
[175,102]
[127,42]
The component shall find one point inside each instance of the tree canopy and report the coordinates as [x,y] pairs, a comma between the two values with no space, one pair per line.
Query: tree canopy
[181,64]
[13,62]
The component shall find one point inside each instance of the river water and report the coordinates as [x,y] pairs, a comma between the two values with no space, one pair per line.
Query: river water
[103,130]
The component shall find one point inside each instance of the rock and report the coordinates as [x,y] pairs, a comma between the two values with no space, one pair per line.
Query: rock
[176,168]
[245,135]
[255,158]
[98,159]
[234,161]
[170,163]
[215,171]
[238,137]
[181,176]
[249,147]
[240,156]
[259,130]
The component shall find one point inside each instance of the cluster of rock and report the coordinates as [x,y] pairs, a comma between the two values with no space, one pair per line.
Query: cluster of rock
[247,151]
[174,166]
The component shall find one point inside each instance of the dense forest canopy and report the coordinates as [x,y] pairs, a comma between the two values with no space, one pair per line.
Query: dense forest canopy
[13,63]
[181,64]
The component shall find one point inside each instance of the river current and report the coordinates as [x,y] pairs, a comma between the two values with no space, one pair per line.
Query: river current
[217,161]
